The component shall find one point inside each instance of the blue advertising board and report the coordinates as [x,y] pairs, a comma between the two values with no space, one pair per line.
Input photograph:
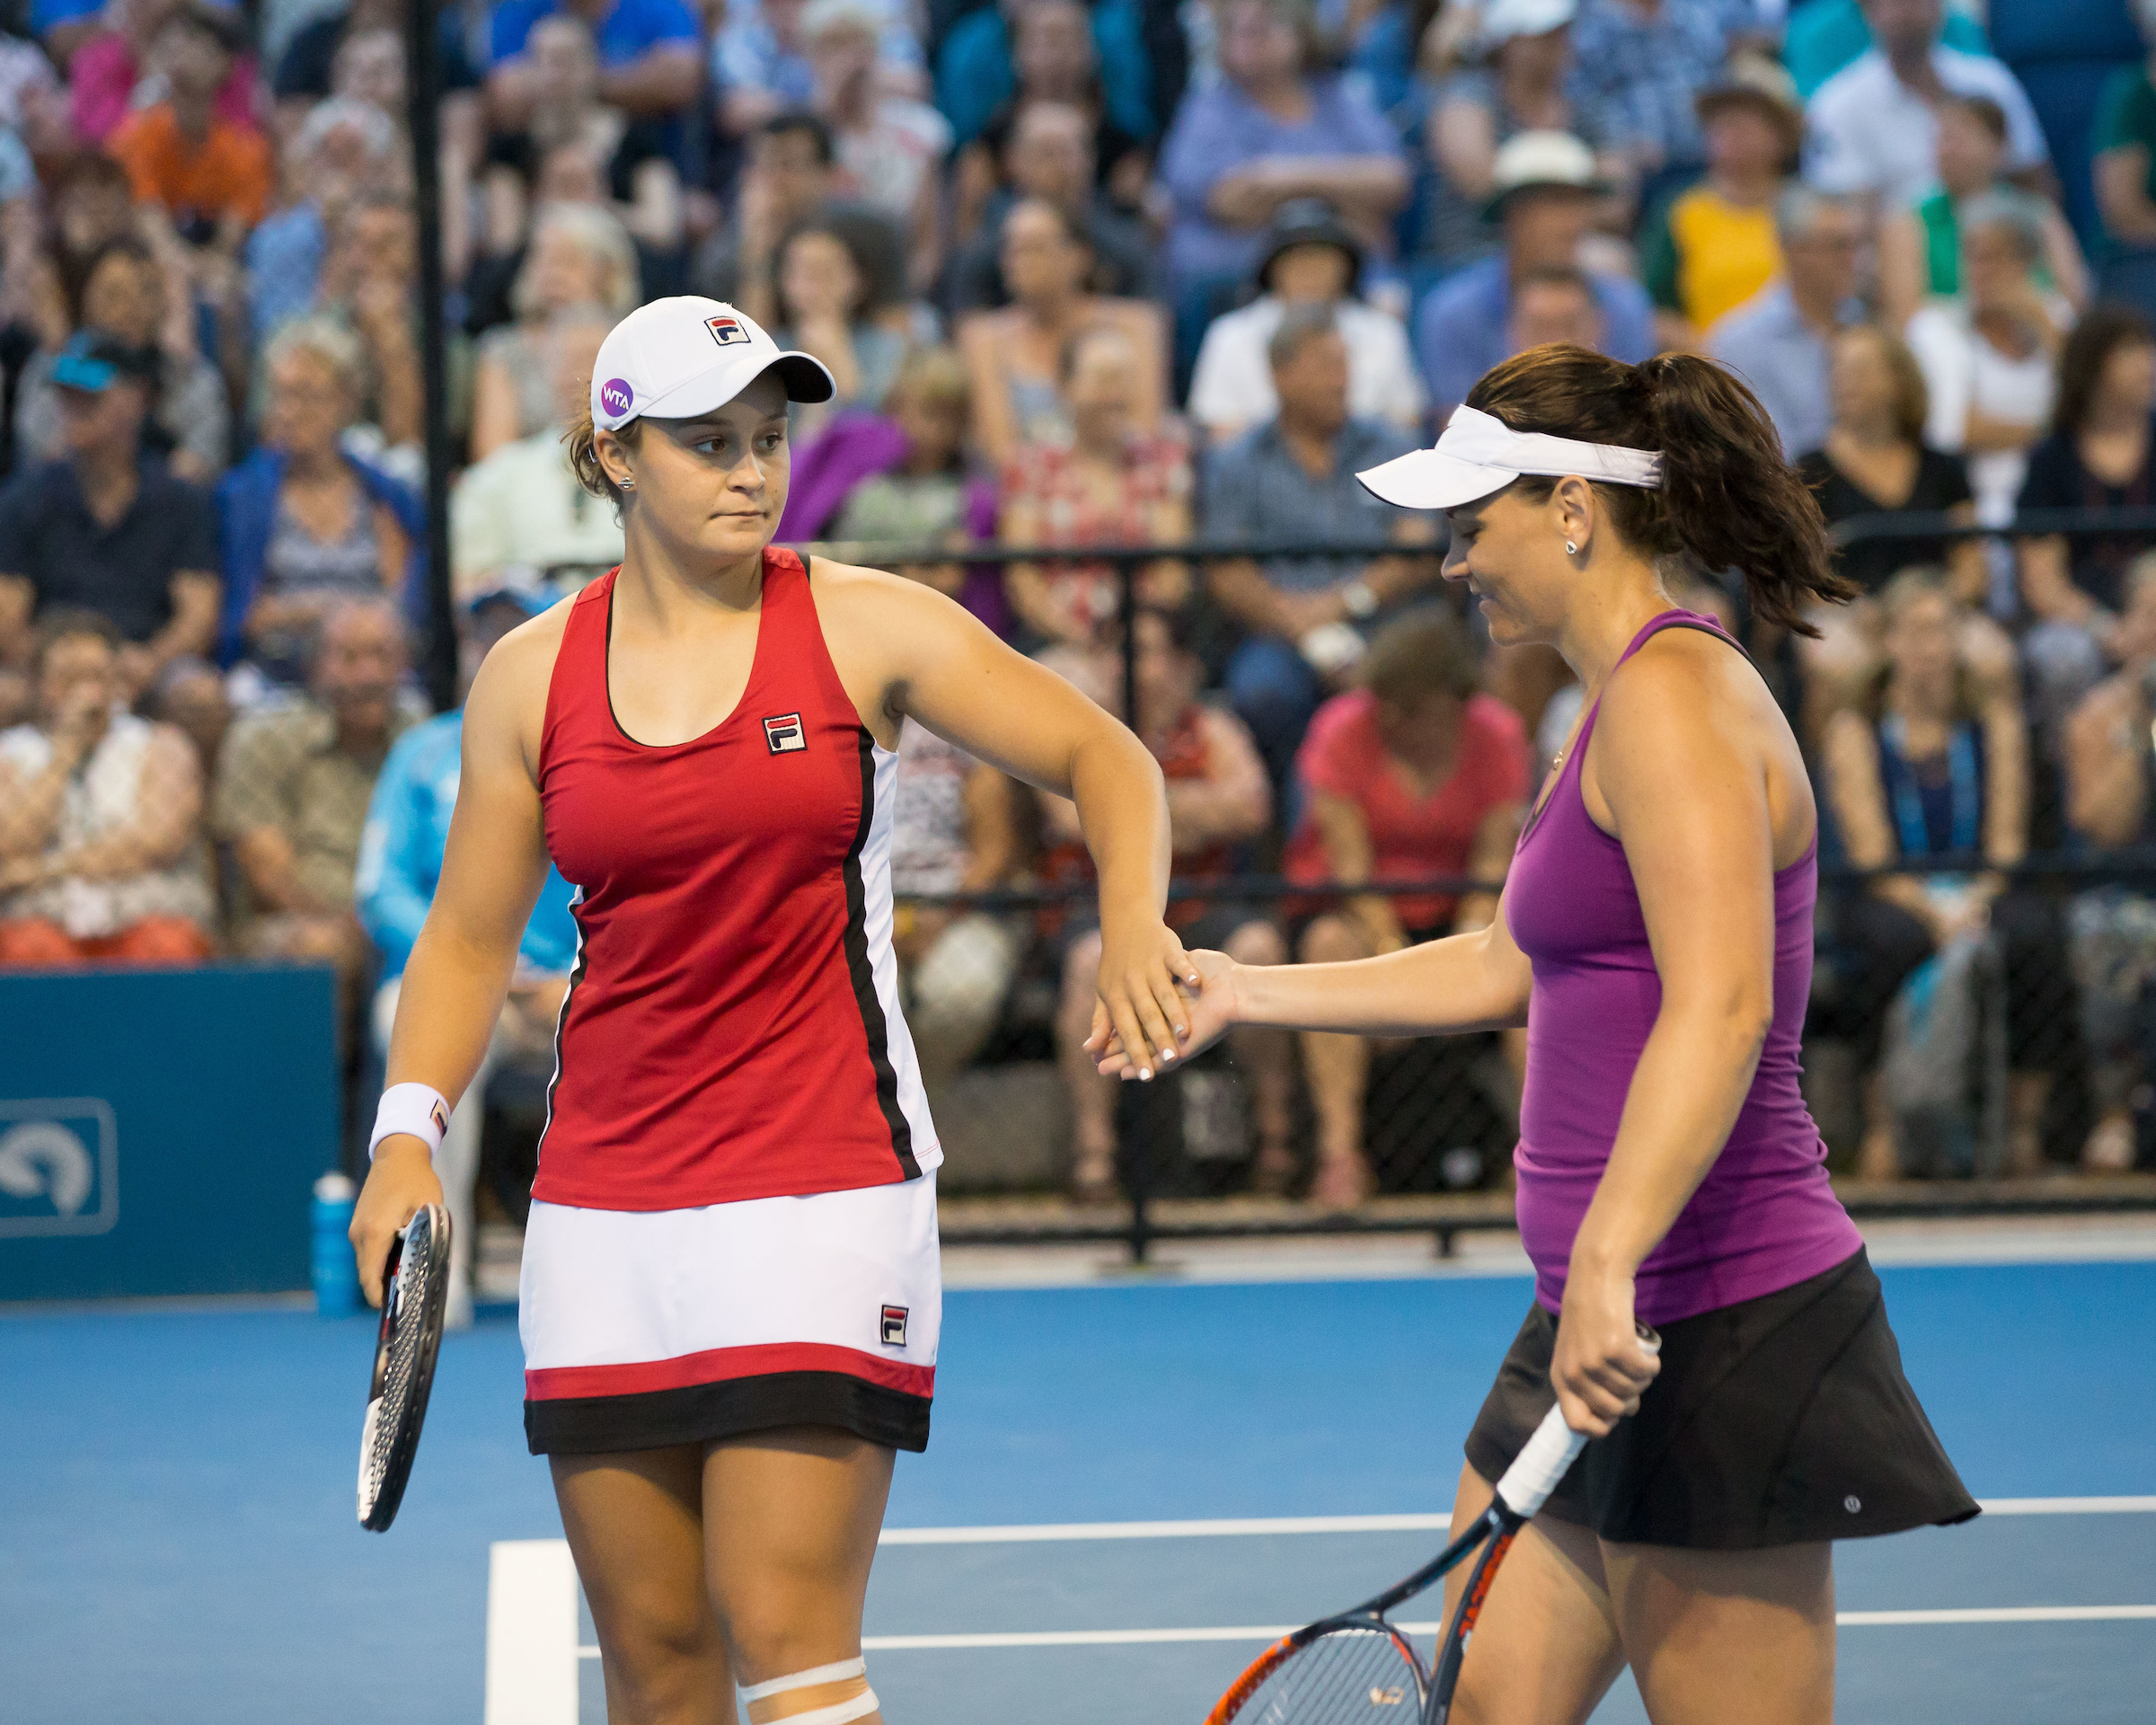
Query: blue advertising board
[161,1129]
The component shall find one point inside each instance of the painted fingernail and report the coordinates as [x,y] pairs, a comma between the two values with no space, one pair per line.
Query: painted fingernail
[1166,1055]
[1145,1073]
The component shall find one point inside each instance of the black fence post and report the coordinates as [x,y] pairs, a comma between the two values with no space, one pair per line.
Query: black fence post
[1139,1118]
[424,104]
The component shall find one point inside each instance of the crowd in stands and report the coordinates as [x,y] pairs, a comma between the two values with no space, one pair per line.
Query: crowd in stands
[1116,273]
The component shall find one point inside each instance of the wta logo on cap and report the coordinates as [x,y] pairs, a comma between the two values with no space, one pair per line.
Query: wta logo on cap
[616,395]
[727,332]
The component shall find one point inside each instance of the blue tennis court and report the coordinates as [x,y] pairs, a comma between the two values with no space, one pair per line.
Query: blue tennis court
[1130,1485]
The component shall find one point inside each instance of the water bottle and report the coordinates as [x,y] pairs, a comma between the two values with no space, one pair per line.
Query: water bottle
[336,1272]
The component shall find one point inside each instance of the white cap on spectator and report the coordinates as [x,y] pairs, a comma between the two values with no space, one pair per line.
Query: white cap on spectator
[1480,454]
[675,359]
[1505,19]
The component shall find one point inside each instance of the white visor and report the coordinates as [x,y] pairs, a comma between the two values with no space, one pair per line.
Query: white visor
[1478,455]
[675,359]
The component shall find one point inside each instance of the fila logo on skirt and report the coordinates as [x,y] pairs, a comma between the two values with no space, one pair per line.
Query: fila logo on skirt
[782,733]
[893,1326]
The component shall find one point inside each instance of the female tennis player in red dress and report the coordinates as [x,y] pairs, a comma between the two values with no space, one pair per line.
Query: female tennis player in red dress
[1655,937]
[730,1296]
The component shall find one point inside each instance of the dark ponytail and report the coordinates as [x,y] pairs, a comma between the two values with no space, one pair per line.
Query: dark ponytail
[1727,495]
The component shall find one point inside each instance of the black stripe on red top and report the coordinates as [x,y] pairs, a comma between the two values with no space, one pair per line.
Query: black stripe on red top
[863,972]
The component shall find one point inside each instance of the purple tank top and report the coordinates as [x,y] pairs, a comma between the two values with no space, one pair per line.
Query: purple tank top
[1766,1218]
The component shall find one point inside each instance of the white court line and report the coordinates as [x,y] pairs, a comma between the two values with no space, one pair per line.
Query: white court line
[532,1649]
[1437,1521]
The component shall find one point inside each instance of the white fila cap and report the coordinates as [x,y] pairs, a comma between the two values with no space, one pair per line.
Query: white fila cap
[675,359]
[1480,454]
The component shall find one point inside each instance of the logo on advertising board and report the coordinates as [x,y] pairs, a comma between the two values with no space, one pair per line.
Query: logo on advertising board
[59,1167]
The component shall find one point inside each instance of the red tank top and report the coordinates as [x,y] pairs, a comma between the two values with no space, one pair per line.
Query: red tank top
[732,1028]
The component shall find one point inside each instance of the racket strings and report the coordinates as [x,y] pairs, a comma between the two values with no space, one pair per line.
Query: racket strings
[407,1323]
[1350,1676]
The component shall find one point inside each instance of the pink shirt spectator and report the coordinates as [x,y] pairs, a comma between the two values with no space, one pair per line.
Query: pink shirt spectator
[1070,509]
[1411,837]
[101,80]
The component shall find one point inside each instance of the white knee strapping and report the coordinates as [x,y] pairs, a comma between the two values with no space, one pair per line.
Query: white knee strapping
[834,1673]
[838,1712]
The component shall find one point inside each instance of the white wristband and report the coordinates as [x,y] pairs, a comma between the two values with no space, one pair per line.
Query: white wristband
[420,1109]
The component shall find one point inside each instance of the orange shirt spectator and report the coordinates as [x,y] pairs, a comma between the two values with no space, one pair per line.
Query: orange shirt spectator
[224,173]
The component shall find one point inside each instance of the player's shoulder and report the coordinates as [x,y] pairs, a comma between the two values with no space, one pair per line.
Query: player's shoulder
[1681,680]
[513,679]
[876,593]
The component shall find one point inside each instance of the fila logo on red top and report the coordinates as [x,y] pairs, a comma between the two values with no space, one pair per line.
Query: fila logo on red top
[784,735]
[725,330]
[894,1325]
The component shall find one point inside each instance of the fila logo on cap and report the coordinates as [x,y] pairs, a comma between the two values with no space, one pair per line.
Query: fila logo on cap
[782,734]
[893,1326]
[725,330]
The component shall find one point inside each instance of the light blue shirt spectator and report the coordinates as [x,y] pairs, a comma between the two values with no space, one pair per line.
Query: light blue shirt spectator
[284,258]
[1770,345]
[1218,131]
[748,55]
[400,855]
[975,76]
[1464,326]
[1635,75]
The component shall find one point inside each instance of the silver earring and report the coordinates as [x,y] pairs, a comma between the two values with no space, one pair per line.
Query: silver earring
[628,484]
[1571,549]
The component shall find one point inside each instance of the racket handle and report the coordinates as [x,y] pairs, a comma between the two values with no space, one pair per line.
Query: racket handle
[1554,1447]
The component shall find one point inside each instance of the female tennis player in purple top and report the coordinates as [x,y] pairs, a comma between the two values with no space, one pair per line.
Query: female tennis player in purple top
[1656,938]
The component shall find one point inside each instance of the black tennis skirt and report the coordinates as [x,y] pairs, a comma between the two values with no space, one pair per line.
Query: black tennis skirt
[1776,1421]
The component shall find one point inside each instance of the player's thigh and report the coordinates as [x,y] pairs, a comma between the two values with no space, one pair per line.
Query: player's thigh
[1714,1636]
[635,1526]
[791,1520]
[1545,1648]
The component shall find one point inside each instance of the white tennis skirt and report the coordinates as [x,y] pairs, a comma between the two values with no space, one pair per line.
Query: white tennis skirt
[646,1328]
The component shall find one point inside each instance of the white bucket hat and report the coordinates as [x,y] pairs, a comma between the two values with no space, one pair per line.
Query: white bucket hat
[675,359]
[1480,454]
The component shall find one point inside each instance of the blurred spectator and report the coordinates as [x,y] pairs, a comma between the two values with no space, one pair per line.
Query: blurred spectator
[2099,454]
[212,174]
[995,54]
[1294,479]
[518,519]
[1873,126]
[92,204]
[308,522]
[954,828]
[650,55]
[1112,484]
[1638,67]
[1217,796]
[400,865]
[1275,128]
[924,499]
[1930,770]
[1875,461]
[1825,35]
[307,67]
[2125,142]
[109,528]
[2110,760]
[1048,152]
[1309,259]
[1543,194]
[630,156]
[1777,341]
[579,259]
[792,177]
[370,285]
[1058,67]
[1413,775]
[293,785]
[345,151]
[1990,361]
[1479,109]
[1919,246]
[1016,355]
[824,308]
[1712,246]
[124,299]
[1555,303]
[889,147]
[116,57]
[189,694]
[101,817]
[761,67]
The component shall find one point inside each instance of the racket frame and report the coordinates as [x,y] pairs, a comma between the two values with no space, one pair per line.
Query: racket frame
[396,1471]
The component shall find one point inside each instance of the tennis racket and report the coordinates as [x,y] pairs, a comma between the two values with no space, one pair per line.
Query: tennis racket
[415,1290]
[1356,1668]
